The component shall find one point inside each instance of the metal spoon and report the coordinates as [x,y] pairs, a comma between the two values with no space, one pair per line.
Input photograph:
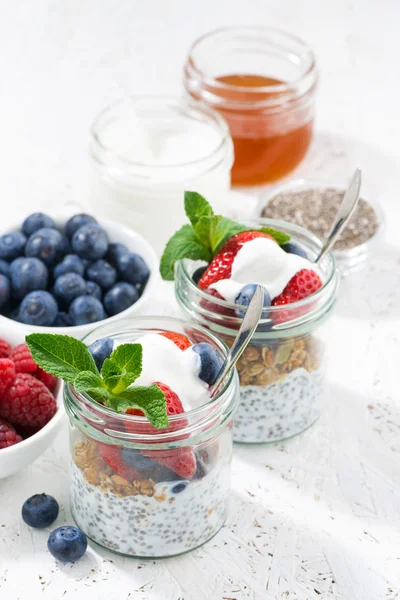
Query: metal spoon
[247,328]
[344,214]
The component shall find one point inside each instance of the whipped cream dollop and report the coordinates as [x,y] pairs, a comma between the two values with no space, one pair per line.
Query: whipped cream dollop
[261,261]
[163,361]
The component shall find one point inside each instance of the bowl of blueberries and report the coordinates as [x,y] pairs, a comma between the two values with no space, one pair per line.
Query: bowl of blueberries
[64,275]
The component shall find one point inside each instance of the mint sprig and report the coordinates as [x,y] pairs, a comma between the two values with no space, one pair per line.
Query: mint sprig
[205,236]
[70,359]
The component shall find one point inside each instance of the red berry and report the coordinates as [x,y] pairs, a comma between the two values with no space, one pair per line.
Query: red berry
[179,340]
[8,435]
[7,375]
[221,265]
[112,456]
[213,307]
[47,378]
[5,349]
[22,357]
[303,284]
[28,402]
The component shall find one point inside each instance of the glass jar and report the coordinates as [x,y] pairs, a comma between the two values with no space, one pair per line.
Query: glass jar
[123,494]
[146,151]
[280,372]
[263,82]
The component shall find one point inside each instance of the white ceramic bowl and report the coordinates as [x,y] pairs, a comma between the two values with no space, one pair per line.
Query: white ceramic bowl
[17,457]
[116,233]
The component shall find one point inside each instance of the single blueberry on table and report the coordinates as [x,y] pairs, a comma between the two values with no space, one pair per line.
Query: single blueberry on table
[179,487]
[38,308]
[198,274]
[40,510]
[90,242]
[115,250]
[132,268]
[292,248]
[77,221]
[5,290]
[93,289]
[246,294]
[5,268]
[45,244]
[12,245]
[28,275]
[71,263]
[37,221]
[120,297]
[62,320]
[67,543]
[102,273]
[210,361]
[100,350]
[68,287]
[86,309]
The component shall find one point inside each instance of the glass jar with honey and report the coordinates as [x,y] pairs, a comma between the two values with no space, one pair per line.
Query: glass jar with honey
[263,82]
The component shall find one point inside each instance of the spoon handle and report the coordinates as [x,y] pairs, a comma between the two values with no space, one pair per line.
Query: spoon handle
[247,328]
[344,214]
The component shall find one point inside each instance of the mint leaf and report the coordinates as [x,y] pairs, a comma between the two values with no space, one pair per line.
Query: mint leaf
[150,400]
[86,380]
[183,244]
[196,207]
[278,236]
[223,231]
[60,355]
[128,358]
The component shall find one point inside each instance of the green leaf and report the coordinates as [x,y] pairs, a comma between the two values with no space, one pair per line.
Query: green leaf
[60,355]
[86,380]
[278,236]
[224,229]
[128,358]
[196,207]
[100,394]
[150,400]
[183,244]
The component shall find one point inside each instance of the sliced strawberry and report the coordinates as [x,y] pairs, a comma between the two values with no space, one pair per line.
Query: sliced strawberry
[302,285]
[179,340]
[213,307]
[112,456]
[221,265]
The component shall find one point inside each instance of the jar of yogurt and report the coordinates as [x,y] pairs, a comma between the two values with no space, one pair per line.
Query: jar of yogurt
[146,151]
[126,493]
[281,370]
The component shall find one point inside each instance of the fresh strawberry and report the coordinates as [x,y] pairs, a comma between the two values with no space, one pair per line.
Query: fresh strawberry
[213,307]
[112,456]
[179,340]
[302,284]
[221,265]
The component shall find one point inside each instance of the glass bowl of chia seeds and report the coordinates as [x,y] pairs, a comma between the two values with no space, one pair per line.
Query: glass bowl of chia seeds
[313,205]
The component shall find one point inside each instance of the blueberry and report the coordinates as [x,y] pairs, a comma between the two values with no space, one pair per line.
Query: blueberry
[38,308]
[246,294]
[100,350]
[70,264]
[67,543]
[291,248]
[28,275]
[132,268]
[77,221]
[179,487]
[137,461]
[90,241]
[40,510]
[5,268]
[115,250]
[198,274]
[210,362]
[102,273]
[93,289]
[62,320]
[5,290]
[12,245]
[120,297]
[37,221]
[46,244]
[86,309]
[65,245]
[68,287]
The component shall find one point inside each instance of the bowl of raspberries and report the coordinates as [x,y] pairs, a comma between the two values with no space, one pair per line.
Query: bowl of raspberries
[64,275]
[31,408]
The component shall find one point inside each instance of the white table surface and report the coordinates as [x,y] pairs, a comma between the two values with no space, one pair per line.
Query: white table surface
[316,517]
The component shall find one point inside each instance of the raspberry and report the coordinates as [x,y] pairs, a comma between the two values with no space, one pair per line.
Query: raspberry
[28,402]
[7,375]
[47,378]
[5,349]
[22,357]
[8,435]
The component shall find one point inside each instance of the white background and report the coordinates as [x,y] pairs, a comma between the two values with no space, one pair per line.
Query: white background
[313,518]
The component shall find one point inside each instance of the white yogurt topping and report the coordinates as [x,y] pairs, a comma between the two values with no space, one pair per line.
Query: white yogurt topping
[163,361]
[261,261]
